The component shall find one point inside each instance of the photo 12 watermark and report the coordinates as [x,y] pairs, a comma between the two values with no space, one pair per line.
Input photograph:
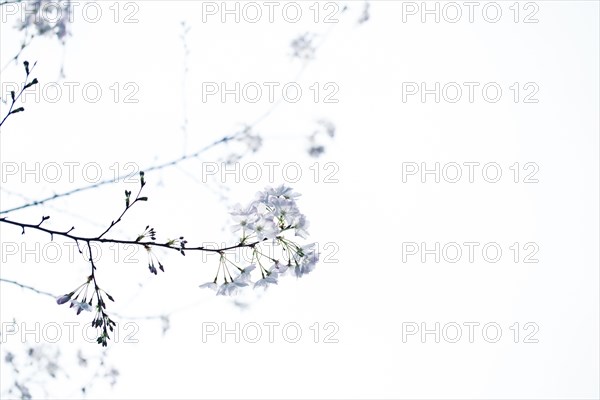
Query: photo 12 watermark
[68,172]
[269,92]
[469,252]
[327,253]
[68,251]
[270,332]
[453,12]
[469,332]
[252,12]
[71,92]
[270,172]
[469,172]
[64,332]
[470,92]
[56,13]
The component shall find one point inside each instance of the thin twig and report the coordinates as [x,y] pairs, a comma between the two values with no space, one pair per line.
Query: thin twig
[27,287]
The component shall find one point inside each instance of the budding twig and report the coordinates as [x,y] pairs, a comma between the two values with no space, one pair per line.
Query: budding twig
[15,97]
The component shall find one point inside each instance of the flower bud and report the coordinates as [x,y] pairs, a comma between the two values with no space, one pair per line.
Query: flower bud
[63,299]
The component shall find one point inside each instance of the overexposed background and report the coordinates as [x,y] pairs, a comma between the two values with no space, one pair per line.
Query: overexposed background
[365,288]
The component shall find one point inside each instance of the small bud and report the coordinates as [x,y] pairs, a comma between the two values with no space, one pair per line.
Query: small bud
[33,82]
[152,269]
[63,299]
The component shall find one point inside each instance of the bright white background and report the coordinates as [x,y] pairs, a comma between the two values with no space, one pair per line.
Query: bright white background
[369,293]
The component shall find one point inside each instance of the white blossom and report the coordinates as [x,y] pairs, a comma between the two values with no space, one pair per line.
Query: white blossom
[265,282]
[244,276]
[264,228]
[300,227]
[243,217]
[231,288]
[285,210]
[279,269]
[209,285]
[305,259]
[80,306]
[272,212]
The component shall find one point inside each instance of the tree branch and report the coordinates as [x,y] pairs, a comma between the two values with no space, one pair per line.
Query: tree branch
[196,154]
[2,3]
[15,99]
[27,287]
[98,239]
[224,139]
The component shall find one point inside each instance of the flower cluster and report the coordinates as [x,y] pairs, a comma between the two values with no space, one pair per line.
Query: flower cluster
[269,217]
[303,47]
[47,17]
[273,212]
[81,291]
[316,145]
[101,320]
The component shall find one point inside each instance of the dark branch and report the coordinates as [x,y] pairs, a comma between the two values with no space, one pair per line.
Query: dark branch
[15,97]
[98,239]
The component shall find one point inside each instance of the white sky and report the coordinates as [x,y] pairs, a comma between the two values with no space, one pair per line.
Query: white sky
[370,292]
